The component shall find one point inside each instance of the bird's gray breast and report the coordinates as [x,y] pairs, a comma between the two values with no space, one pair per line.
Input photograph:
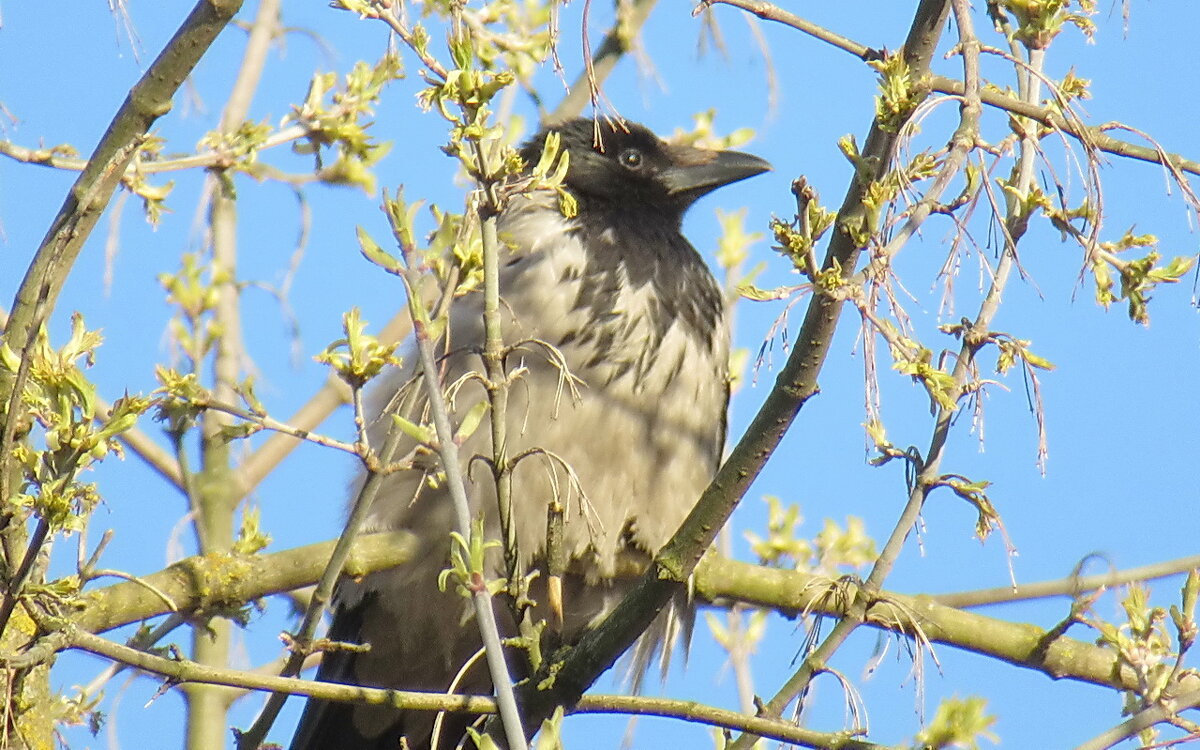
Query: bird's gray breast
[617,397]
[644,434]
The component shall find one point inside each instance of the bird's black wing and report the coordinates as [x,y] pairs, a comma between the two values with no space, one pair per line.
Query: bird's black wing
[326,725]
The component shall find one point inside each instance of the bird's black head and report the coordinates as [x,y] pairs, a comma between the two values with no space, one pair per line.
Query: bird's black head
[627,165]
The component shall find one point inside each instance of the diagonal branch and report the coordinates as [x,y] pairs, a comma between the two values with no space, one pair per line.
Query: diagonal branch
[857,613]
[601,646]
[148,100]
[1143,720]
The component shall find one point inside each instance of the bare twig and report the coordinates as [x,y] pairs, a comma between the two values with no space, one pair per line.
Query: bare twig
[185,671]
[1031,109]
[1070,586]
[269,423]
[1143,719]
[615,45]
[771,12]
[156,457]
[323,594]
[710,716]
[51,157]
[141,640]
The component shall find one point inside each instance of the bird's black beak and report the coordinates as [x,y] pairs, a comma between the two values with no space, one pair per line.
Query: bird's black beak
[705,171]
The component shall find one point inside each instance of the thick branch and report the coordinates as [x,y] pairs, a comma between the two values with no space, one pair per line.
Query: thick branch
[1025,645]
[231,580]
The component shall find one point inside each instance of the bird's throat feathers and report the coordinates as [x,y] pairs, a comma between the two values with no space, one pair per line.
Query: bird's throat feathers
[623,267]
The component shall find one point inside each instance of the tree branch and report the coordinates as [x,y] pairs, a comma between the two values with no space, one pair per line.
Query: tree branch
[207,708]
[712,717]
[1095,135]
[1070,586]
[333,394]
[206,581]
[184,671]
[1029,646]
[148,100]
[616,43]
[1143,719]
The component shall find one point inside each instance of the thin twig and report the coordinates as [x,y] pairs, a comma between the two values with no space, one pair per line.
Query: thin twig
[1025,108]
[448,452]
[816,660]
[323,593]
[142,445]
[1143,719]
[770,12]
[269,423]
[710,716]
[50,157]
[333,394]
[601,64]
[185,671]
[1069,586]
[497,387]
[141,640]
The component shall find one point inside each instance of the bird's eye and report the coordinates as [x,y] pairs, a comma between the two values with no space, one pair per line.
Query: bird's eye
[631,158]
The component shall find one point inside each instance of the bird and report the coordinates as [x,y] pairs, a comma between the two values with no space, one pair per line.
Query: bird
[615,296]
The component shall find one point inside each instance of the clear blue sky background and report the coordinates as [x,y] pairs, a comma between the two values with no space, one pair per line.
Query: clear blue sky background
[1122,405]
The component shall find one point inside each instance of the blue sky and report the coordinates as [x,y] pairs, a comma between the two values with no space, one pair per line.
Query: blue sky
[1122,406]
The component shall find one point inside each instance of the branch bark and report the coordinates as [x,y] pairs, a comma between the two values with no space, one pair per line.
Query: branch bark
[205,581]
[192,672]
[1025,645]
